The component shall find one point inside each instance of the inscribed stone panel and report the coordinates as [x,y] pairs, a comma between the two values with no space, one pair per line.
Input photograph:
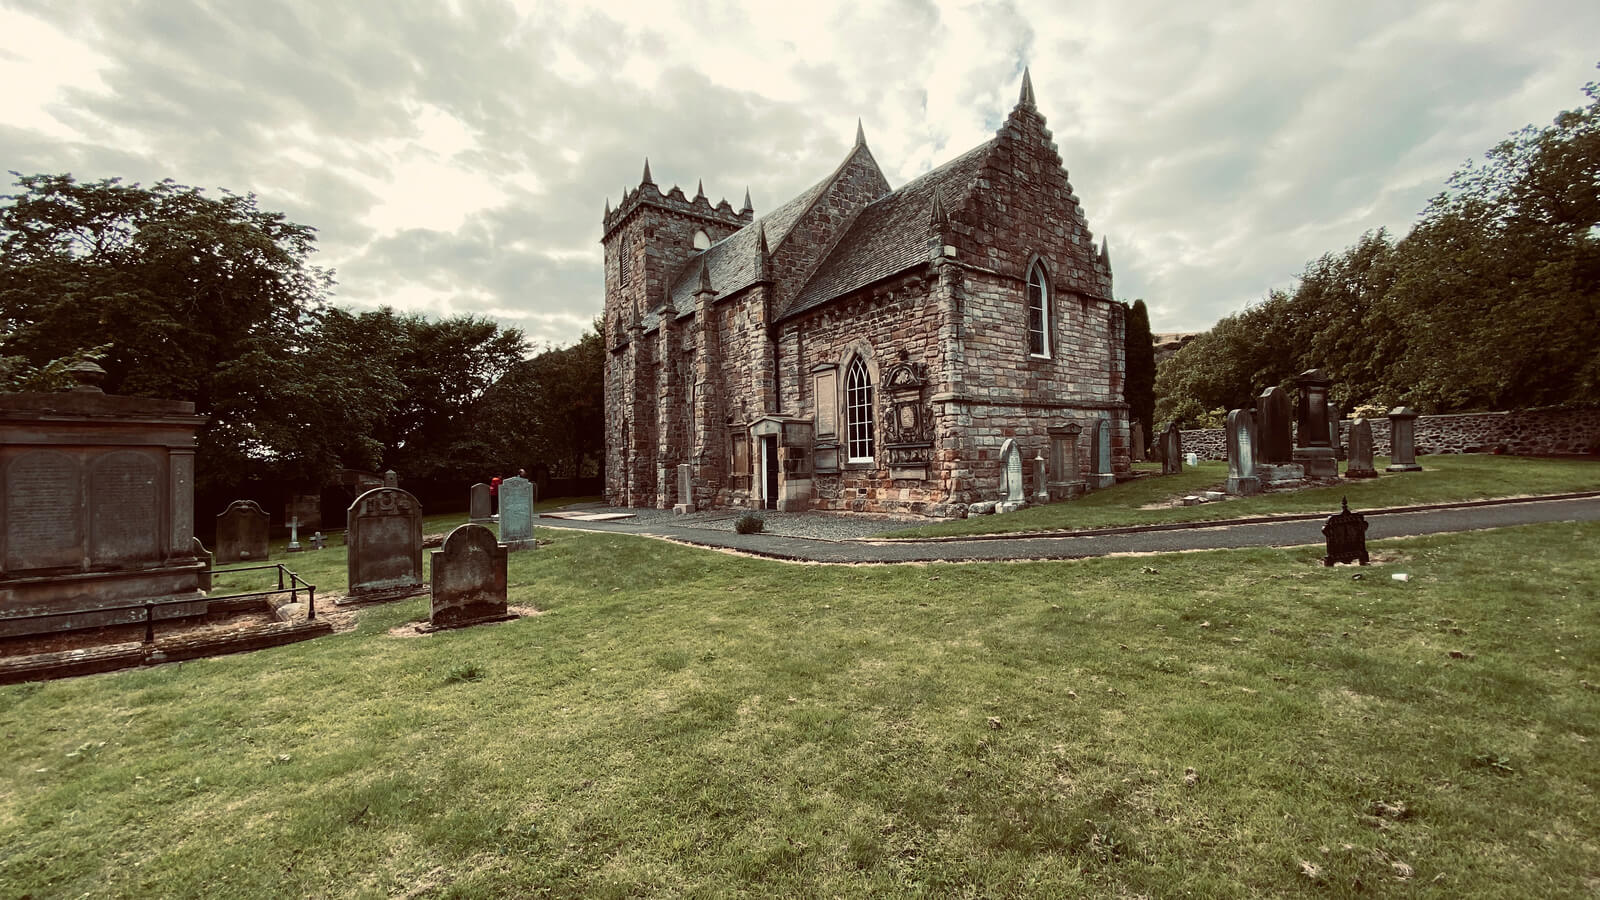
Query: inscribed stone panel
[825,389]
[124,508]
[44,511]
[516,512]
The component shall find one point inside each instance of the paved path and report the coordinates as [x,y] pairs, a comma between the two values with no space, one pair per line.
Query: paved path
[1203,536]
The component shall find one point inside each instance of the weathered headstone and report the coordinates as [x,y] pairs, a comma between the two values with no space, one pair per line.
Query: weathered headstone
[1041,491]
[1013,495]
[1273,427]
[480,504]
[242,533]
[1066,483]
[1136,435]
[1335,420]
[1171,450]
[1347,537]
[1242,478]
[469,579]
[516,513]
[318,541]
[685,502]
[1403,440]
[385,538]
[1312,447]
[1100,473]
[391,479]
[294,536]
[1360,464]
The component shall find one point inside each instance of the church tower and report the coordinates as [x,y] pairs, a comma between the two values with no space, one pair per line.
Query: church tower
[647,240]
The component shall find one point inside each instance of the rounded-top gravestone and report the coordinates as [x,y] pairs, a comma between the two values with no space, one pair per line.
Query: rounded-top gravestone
[469,579]
[242,532]
[385,538]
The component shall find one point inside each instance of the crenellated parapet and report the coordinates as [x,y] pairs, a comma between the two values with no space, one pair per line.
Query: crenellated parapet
[649,194]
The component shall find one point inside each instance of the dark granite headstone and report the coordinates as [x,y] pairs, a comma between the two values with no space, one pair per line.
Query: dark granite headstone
[1242,478]
[242,533]
[469,579]
[1171,450]
[1347,537]
[1360,464]
[480,504]
[1273,427]
[385,539]
[1066,482]
[1312,447]
[516,513]
[1403,440]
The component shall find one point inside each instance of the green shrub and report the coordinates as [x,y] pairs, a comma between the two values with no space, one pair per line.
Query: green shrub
[750,523]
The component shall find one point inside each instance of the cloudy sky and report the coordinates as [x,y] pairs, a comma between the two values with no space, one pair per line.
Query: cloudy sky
[455,156]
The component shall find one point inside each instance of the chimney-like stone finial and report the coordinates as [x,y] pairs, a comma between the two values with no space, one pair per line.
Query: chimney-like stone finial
[646,179]
[705,278]
[700,189]
[861,134]
[939,219]
[747,206]
[1027,90]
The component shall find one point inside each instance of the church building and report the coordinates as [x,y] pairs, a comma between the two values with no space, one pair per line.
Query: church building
[859,347]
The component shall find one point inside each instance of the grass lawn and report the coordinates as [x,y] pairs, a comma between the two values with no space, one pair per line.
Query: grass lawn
[681,722]
[1444,479]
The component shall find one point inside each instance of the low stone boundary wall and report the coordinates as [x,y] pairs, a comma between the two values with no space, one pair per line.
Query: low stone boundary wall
[1531,432]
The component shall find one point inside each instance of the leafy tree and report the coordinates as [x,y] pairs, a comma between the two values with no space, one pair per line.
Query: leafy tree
[1139,385]
[551,409]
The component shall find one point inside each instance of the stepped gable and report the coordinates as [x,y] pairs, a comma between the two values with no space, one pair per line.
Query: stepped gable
[732,262]
[890,234]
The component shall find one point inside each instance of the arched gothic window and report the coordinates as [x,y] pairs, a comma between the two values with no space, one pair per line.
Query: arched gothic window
[858,411]
[1038,310]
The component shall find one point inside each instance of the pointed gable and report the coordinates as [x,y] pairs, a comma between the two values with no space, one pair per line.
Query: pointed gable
[891,234]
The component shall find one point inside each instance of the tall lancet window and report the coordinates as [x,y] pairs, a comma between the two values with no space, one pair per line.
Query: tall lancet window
[858,411]
[1038,310]
[622,261]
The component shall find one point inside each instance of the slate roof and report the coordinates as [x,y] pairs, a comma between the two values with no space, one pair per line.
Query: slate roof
[889,235]
[734,259]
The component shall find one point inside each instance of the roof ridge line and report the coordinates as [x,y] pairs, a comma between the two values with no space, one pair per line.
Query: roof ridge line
[832,177]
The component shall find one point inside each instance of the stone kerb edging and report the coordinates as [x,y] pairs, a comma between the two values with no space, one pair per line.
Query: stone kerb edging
[1218,523]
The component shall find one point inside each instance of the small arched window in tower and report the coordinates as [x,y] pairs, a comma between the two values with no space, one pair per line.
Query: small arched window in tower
[701,239]
[1038,310]
[622,262]
[858,411]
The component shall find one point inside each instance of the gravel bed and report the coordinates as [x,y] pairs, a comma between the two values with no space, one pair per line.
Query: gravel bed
[826,526]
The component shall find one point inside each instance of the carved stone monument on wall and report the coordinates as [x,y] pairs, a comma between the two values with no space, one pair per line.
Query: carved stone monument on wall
[96,509]
[1242,478]
[242,533]
[516,513]
[385,538]
[468,579]
[1066,482]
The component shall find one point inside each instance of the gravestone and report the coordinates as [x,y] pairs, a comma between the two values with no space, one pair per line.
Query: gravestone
[305,509]
[1171,450]
[1312,449]
[96,508]
[1100,473]
[1335,418]
[1403,440]
[1066,483]
[1242,478]
[516,513]
[1360,464]
[385,538]
[294,536]
[1347,537]
[205,556]
[1273,428]
[469,579]
[480,504]
[391,479]
[1013,494]
[1138,442]
[1041,492]
[242,533]
[685,502]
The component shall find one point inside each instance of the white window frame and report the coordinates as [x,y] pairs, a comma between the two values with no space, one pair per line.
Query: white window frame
[1037,276]
[859,412]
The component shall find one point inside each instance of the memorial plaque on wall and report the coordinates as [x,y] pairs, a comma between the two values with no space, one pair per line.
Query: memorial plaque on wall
[124,508]
[827,402]
[44,511]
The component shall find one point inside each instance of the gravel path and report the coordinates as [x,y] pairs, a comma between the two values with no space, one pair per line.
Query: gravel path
[840,548]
